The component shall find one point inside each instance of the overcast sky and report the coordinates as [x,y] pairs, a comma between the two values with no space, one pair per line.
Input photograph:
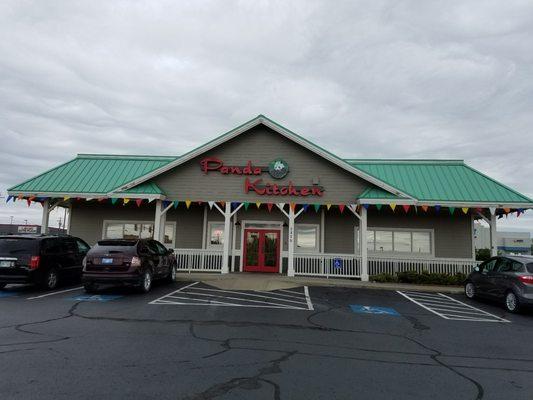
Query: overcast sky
[413,79]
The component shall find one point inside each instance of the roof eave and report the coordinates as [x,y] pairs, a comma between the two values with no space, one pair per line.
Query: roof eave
[87,195]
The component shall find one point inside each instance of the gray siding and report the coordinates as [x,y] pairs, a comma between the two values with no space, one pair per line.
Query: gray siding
[260,145]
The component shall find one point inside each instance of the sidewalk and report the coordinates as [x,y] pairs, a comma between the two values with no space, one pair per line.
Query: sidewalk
[258,281]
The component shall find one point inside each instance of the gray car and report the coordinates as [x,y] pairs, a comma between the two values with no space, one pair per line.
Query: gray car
[504,278]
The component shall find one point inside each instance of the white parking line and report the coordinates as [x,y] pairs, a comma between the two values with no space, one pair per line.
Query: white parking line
[54,293]
[206,296]
[449,308]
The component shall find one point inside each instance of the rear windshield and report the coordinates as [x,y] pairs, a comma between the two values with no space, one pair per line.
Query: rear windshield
[14,246]
[117,243]
[529,267]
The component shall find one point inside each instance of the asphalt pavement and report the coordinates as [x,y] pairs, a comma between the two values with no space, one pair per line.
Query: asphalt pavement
[194,341]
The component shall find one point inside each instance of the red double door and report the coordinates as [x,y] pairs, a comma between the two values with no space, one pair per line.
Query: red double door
[261,250]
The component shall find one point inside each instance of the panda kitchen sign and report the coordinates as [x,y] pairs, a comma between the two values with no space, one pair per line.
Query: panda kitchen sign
[254,182]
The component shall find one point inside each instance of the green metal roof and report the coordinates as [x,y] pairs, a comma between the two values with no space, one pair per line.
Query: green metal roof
[145,188]
[94,174]
[378,194]
[439,180]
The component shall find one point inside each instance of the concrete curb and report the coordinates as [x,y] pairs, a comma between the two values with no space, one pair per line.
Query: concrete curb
[272,282]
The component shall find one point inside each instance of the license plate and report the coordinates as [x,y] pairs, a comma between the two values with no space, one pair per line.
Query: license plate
[6,264]
[107,261]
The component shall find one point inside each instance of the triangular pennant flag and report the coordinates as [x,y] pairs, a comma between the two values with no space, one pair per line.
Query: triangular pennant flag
[500,216]
[492,210]
[258,204]
[281,205]
[176,203]
[126,201]
[437,208]
[187,204]
[246,205]
[424,208]
[341,208]
[166,203]
[65,198]
[29,202]
[305,207]
[150,200]
[465,210]
[234,204]
[317,207]
[393,206]
[292,206]
[114,200]
[88,199]
[138,202]
[200,203]
[101,199]
[451,209]
[406,208]
[222,204]
[269,206]
[20,197]
[9,198]
[328,206]
[378,206]
[211,204]
[507,210]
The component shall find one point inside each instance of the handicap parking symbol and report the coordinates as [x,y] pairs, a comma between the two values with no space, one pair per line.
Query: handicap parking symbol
[360,309]
[96,297]
[337,263]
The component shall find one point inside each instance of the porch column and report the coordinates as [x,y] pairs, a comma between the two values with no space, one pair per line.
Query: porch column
[157,220]
[363,245]
[227,236]
[46,217]
[493,236]
[290,264]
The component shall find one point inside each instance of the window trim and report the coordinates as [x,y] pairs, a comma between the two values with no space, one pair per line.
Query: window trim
[121,221]
[208,244]
[317,238]
[397,254]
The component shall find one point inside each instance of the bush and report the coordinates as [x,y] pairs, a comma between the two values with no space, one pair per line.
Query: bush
[482,254]
[424,278]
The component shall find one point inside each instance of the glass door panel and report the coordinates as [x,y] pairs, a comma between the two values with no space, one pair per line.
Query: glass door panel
[252,249]
[270,249]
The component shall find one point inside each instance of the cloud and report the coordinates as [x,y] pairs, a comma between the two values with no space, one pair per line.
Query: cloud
[363,79]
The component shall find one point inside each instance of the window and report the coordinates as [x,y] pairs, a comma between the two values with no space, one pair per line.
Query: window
[397,241]
[488,266]
[306,237]
[215,238]
[137,230]
[82,247]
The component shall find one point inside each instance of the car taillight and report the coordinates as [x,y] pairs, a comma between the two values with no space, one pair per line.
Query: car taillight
[34,262]
[135,261]
[528,279]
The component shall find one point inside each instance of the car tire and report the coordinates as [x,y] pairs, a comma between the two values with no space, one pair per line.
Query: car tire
[470,290]
[50,279]
[512,303]
[146,282]
[90,287]
[171,277]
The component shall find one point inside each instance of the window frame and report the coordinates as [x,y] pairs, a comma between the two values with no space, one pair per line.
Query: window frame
[317,238]
[208,244]
[123,222]
[393,253]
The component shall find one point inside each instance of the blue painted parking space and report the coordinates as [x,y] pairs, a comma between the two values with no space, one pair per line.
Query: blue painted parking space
[96,297]
[7,294]
[361,309]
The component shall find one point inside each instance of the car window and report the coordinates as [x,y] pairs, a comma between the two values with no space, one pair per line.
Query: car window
[517,267]
[488,266]
[504,265]
[162,249]
[14,246]
[529,267]
[51,247]
[69,246]
[82,246]
[152,248]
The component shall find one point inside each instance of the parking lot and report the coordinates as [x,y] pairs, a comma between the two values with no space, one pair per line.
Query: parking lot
[194,341]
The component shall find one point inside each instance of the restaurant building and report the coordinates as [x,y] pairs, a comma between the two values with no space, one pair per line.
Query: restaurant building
[261,198]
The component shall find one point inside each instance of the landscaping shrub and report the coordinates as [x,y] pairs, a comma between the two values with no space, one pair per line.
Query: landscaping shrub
[423,278]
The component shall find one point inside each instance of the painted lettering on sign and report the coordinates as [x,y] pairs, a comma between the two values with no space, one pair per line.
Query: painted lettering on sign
[278,169]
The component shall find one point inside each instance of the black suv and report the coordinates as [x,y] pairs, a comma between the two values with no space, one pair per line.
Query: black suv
[123,261]
[40,259]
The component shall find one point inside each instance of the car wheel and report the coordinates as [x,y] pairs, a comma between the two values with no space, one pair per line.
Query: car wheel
[50,279]
[146,282]
[512,303]
[171,277]
[90,287]
[470,290]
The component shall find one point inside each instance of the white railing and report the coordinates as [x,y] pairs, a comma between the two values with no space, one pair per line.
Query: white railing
[198,260]
[328,265]
[381,265]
